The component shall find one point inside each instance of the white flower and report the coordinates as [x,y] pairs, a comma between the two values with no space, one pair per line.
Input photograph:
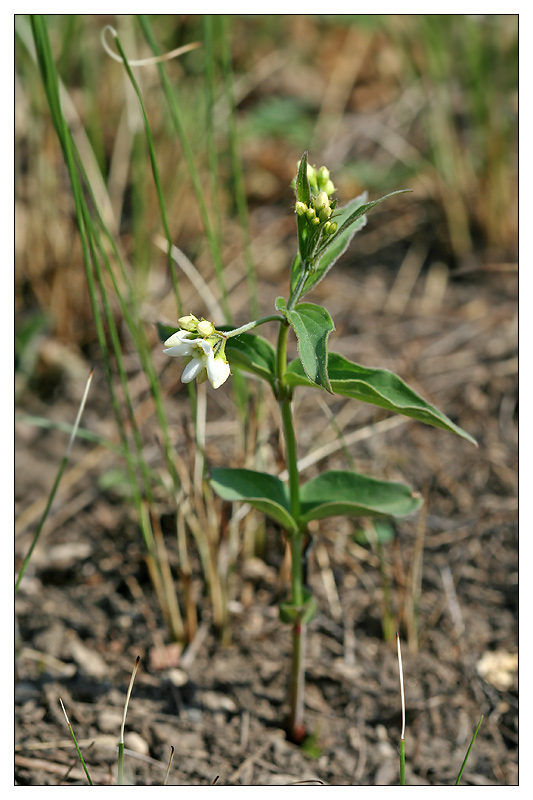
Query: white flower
[201,361]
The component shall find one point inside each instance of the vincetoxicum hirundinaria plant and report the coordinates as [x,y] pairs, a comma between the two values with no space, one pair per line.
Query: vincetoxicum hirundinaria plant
[324,233]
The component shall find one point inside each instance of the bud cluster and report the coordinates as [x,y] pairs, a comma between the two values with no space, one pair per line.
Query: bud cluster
[192,324]
[319,180]
[203,329]
[319,211]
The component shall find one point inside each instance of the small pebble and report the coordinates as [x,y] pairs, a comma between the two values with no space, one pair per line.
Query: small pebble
[133,741]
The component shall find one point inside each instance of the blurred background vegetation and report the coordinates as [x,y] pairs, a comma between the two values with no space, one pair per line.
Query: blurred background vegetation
[427,102]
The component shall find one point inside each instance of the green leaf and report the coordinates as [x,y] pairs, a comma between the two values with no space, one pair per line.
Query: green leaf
[350,494]
[252,353]
[312,325]
[262,491]
[380,387]
[295,271]
[303,190]
[336,245]
[303,195]
[362,209]
[350,220]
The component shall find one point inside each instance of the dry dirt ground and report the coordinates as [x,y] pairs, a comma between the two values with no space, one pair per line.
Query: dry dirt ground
[86,607]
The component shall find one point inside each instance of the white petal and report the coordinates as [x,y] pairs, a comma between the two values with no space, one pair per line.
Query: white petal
[177,338]
[204,346]
[217,371]
[179,345]
[193,369]
[179,350]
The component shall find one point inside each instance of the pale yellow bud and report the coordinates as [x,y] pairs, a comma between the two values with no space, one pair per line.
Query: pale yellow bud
[322,175]
[205,328]
[300,208]
[188,323]
[321,201]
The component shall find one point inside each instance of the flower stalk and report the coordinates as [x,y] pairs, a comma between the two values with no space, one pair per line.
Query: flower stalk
[323,232]
[296,729]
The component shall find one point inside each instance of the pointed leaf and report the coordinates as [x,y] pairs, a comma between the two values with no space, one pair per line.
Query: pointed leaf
[295,271]
[350,220]
[380,387]
[337,244]
[312,325]
[303,195]
[350,494]
[303,190]
[262,491]
[363,209]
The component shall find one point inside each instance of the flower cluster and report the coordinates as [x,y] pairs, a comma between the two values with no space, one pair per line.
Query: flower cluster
[202,349]
[320,209]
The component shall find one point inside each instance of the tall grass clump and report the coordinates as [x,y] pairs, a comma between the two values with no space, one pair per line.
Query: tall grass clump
[116,301]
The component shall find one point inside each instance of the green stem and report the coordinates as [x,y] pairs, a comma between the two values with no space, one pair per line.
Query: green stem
[297,680]
[291,456]
[254,324]
[284,399]
[295,296]
[468,752]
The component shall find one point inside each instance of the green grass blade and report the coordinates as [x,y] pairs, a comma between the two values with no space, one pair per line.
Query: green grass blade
[93,253]
[210,68]
[463,765]
[155,170]
[237,168]
[76,743]
[57,481]
[176,117]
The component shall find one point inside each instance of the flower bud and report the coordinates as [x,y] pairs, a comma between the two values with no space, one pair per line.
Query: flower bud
[330,228]
[322,176]
[310,213]
[300,208]
[321,201]
[311,177]
[324,214]
[188,323]
[205,328]
[315,221]
[329,188]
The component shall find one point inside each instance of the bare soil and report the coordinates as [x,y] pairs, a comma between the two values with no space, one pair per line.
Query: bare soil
[86,607]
